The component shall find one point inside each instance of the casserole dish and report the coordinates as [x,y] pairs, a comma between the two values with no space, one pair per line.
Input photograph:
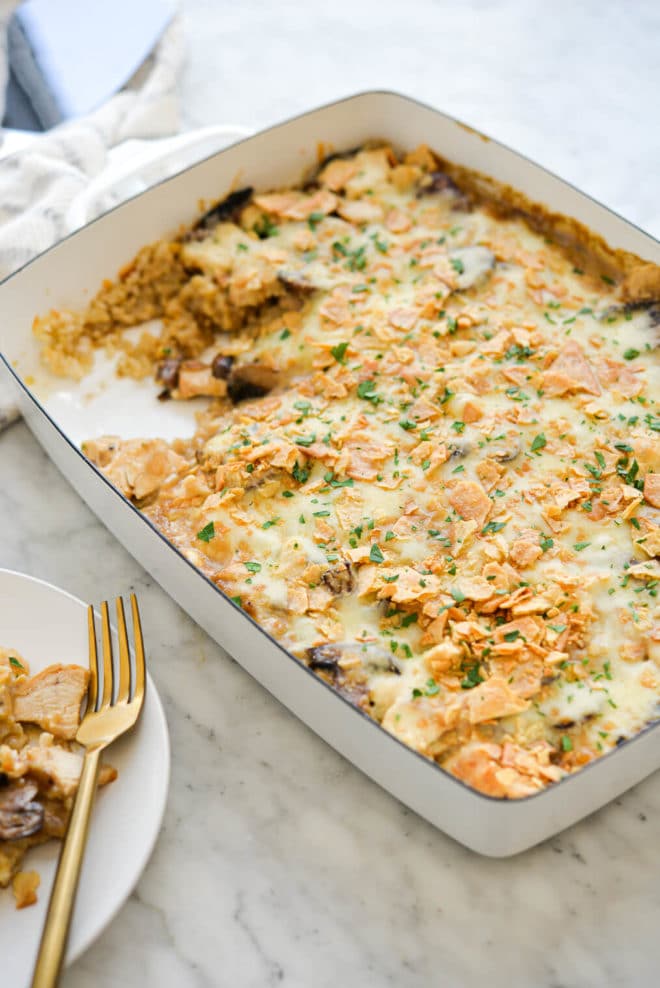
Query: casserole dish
[65,276]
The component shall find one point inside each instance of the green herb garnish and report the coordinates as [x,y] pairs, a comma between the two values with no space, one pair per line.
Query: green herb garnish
[207,533]
[339,351]
[376,554]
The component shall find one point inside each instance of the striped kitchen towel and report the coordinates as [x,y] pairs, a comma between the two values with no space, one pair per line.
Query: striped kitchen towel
[40,182]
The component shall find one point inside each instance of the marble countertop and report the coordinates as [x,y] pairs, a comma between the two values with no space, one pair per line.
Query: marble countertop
[279,863]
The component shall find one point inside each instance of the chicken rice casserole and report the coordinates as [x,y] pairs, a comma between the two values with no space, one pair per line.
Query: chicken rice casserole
[40,762]
[430,466]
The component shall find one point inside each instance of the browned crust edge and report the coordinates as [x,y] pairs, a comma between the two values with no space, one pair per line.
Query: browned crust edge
[638,279]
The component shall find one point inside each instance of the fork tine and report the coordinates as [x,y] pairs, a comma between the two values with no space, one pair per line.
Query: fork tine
[139,652]
[108,672]
[93,693]
[124,691]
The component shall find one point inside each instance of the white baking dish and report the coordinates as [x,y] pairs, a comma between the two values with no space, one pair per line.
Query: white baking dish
[61,414]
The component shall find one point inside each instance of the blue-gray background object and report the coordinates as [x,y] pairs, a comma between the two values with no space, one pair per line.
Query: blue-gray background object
[68,57]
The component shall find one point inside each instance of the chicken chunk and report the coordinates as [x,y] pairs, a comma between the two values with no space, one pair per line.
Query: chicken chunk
[56,767]
[24,887]
[52,699]
[138,467]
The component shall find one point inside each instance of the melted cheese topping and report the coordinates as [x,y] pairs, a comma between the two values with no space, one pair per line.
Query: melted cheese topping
[448,505]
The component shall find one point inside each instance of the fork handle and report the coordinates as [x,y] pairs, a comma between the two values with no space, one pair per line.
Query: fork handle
[62,898]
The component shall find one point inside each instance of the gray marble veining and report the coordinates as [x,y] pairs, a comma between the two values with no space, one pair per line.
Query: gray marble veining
[279,863]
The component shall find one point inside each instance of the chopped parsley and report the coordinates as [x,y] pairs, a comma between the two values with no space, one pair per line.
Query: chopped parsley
[265,228]
[332,480]
[314,219]
[472,677]
[367,391]
[339,351]
[493,526]
[207,533]
[376,554]
[299,473]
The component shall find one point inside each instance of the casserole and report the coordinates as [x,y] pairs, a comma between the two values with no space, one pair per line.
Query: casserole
[103,249]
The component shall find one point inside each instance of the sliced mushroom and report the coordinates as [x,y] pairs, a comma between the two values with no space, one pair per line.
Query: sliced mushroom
[251,381]
[335,156]
[20,815]
[221,366]
[651,309]
[347,666]
[296,281]
[458,450]
[372,658]
[504,452]
[325,657]
[439,182]
[339,580]
[228,209]
[472,265]
[167,372]
[654,314]
[378,660]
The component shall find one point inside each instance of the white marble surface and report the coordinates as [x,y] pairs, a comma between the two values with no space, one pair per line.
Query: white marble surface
[278,862]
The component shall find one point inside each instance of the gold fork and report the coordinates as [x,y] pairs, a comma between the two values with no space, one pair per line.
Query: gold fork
[110,714]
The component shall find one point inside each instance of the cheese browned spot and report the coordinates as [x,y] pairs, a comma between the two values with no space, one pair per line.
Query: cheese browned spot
[433,475]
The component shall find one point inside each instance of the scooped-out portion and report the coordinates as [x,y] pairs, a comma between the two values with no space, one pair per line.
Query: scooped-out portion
[429,464]
[40,762]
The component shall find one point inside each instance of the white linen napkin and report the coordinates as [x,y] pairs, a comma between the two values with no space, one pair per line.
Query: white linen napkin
[40,182]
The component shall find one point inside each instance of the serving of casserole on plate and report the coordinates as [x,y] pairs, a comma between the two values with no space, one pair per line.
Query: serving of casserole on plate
[426,458]
[39,763]
[43,678]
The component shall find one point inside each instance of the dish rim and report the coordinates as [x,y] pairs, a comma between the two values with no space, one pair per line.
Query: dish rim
[496,800]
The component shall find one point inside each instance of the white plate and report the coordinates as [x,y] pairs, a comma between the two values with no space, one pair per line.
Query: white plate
[48,625]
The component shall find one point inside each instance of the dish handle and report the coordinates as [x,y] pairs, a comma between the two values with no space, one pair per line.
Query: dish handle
[136,164]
